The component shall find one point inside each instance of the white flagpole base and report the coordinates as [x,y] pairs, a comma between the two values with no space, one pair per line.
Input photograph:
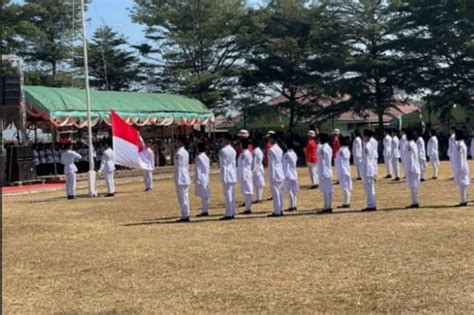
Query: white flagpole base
[92,184]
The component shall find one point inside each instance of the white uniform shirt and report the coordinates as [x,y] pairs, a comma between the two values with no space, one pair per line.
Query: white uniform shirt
[387,146]
[324,161]
[369,160]
[257,162]
[395,147]
[452,145]
[228,171]
[244,170]
[68,158]
[460,165]
[201,175]
[411,157]
[149,155]
[403,144]
[181,167]
[343,166]
[275,163]
[433,147]
[420,143]
[107,164]
[289,165]
[357,148]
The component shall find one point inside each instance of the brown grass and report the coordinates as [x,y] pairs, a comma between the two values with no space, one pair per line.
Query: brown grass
[122,255]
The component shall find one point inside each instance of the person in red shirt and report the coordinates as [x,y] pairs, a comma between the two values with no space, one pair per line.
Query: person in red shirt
[335,144]
[311,153]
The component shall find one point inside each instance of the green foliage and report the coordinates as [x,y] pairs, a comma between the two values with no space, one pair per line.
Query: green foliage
[111,66]
[195,46]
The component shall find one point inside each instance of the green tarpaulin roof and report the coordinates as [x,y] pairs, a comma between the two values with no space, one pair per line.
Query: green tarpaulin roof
[62,103]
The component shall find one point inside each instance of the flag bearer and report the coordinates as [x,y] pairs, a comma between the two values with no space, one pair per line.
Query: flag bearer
[201,178]
[291,175]
[181,177]
[107,166]
[68,159]
[343,170]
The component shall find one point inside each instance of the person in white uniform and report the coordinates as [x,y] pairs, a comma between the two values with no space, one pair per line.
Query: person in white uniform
[403,145]
[148,174]
[387,154]
[433,152]
[395,155]
[244,175]
[201,178]
[325,172]
[413,168]
[461,167]
[276,176]
[182,179]
[343,171]
[290,172]
[357,153]
[369,170]
[228,175]
[420,143]
[452,147]
[107,166]
[68,159]
[258,172]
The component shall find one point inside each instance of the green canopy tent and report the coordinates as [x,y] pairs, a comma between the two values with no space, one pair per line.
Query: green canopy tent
[67,107]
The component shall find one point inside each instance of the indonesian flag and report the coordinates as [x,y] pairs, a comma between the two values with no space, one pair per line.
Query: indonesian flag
[128,145]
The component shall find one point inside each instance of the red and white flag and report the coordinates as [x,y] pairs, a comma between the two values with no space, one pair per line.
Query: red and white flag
[128,145]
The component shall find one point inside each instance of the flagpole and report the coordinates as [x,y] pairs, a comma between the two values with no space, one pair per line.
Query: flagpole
[92,191]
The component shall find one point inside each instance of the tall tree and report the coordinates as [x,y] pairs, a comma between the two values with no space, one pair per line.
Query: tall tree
[55,27]
[373,71]
[111,66]
[439,37]
[290,55]
[13,27]
[195,45]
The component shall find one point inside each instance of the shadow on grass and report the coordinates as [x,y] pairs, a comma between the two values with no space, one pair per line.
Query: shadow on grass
[259,215]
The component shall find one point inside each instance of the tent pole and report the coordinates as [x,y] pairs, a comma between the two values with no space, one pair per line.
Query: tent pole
[172,143]
[53,138]
[92,191]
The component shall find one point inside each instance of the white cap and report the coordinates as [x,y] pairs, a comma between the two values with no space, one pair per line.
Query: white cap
[311,133]
[271,133]
[336,132]
[244,133]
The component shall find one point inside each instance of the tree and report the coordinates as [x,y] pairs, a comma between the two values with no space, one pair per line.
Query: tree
[439,38]
[373,70]
[13,27]
[291,54]
[111,66]
[55,25]
[195,49]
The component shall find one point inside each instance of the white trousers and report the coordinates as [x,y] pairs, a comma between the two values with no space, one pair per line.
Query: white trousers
[313,173]
[422,168]
[110,182]
[414,196]
[346,197]
[369,188]
[229,195]
[435,165]
[70,184]
[388,164]
[277,194]
[396,167]
[292,196]
[148,179]
[205,204]
[183,199]
[248,201]
[358,165]
[463,190]
[259,194]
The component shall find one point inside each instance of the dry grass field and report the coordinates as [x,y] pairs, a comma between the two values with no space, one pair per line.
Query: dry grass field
[126,256]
